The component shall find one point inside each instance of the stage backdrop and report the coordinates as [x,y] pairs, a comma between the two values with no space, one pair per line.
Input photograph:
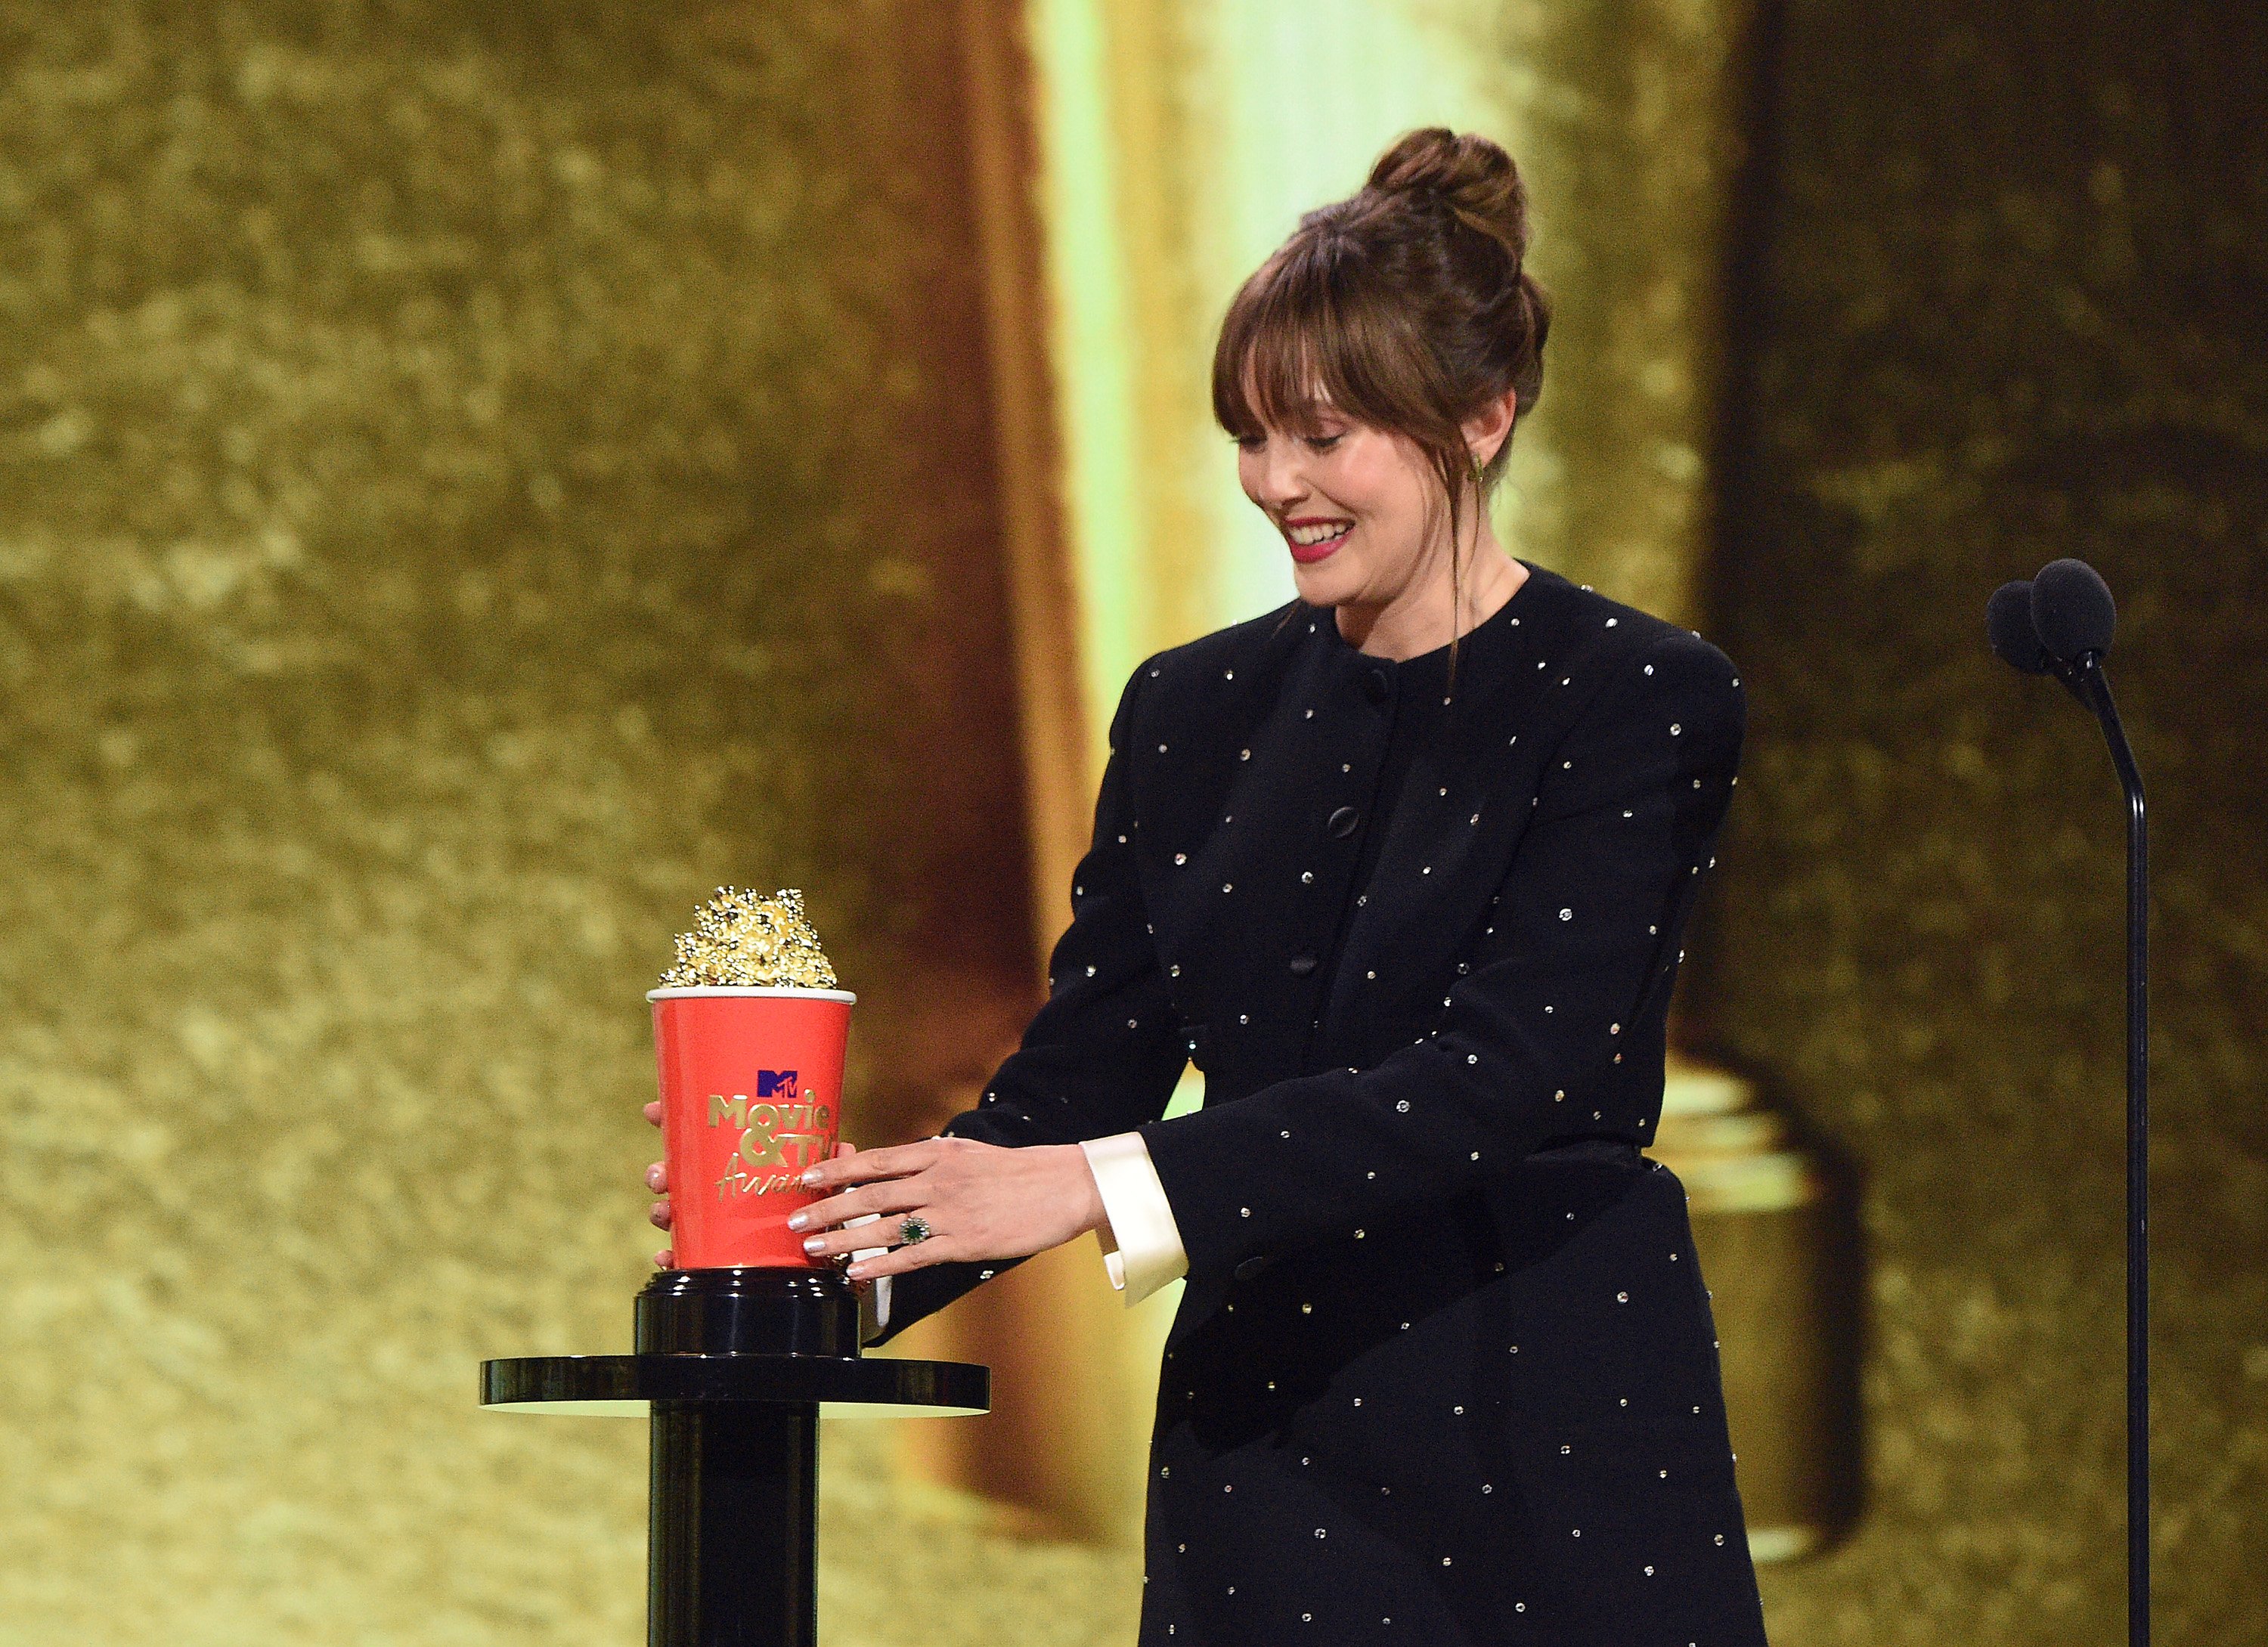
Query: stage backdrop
[472,479]
[2005,300]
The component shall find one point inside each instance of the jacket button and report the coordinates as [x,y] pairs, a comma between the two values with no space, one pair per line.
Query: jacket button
[1373,684]
[1302,965]
[1342,822]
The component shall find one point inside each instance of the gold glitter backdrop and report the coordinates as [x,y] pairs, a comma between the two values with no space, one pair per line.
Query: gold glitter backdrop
[2003,301]
[472,479]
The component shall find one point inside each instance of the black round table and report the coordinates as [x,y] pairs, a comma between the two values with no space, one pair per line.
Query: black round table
[733,1365]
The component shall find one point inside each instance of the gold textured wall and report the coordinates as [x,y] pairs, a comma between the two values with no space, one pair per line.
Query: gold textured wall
[1633,122]
[471,478]
[2004,308]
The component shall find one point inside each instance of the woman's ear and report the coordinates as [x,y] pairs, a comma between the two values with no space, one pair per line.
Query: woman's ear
[1487,430]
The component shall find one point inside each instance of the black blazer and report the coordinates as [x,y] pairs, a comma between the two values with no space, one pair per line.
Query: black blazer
[1417,1158]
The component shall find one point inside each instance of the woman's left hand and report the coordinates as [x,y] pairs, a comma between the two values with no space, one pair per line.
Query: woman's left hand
[980,1201]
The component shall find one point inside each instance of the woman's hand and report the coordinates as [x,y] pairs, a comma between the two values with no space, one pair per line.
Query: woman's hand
[980,1201]
[657,1178]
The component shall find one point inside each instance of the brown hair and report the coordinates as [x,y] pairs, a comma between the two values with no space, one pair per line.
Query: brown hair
[1404,306]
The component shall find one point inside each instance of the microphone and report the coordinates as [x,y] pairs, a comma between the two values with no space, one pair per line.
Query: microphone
[2008,625]
[2061,623]
[2072,613]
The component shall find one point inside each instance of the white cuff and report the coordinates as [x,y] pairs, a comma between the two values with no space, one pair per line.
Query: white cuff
[1141,1244]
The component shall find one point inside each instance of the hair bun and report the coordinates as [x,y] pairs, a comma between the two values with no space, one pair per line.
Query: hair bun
[1470,174]
[1405,306]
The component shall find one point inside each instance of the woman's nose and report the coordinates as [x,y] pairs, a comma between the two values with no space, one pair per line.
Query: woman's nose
[1281,481]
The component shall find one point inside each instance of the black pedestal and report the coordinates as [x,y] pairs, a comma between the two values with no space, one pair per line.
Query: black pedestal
[730,1557]
[732,1365]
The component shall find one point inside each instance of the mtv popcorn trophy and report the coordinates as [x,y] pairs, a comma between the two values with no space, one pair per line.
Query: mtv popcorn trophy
[735,1350]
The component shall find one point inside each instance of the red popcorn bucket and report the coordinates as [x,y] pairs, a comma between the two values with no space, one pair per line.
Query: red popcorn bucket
[751,1094]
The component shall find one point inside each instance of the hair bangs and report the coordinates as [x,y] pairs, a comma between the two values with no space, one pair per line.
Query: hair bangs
[1309,337]
[1282,361]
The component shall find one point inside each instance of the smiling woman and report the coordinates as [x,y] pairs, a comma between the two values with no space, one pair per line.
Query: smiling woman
[1396,328]
[1444,1368]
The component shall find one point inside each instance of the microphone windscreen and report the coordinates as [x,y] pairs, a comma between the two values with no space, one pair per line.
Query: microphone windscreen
[2008,625]
[2072,610]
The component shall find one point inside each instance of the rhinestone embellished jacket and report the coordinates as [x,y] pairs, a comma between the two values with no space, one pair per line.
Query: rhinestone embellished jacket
[1441,1313]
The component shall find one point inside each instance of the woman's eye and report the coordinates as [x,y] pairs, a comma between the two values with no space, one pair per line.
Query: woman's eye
[1324,443]
[1251,443]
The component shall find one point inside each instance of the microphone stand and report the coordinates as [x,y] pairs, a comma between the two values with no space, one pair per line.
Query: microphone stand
[2085,677]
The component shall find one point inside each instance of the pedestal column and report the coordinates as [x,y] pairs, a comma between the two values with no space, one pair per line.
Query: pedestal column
[732,1368]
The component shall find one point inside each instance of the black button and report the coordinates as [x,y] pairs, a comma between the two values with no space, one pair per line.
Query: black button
[1251,1267]
[1342,822]
[1373,684]
[1302,965]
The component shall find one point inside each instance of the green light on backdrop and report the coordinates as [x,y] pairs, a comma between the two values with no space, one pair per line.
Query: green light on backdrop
[1091,347]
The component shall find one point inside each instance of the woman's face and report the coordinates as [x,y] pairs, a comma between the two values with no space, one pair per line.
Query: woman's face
[1360,509]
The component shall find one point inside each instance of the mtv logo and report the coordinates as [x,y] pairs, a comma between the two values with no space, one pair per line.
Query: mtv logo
[775,1082]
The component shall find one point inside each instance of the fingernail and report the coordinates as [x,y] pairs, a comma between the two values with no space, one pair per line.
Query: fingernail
[796,1221]
[809,1179]
[856,1272]
[811,1244]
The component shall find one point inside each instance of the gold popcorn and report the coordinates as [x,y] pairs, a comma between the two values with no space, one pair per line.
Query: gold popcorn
[744,938]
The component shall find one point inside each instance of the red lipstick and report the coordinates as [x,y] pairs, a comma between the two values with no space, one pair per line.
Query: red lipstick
[1308,554]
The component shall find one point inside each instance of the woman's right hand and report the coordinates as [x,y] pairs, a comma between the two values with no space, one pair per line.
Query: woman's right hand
[657,1179]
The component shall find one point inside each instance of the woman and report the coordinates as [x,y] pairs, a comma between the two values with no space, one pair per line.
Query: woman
[1402,867]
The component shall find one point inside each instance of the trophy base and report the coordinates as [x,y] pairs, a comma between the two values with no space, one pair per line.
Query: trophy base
[748,1312]
[733,1367]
